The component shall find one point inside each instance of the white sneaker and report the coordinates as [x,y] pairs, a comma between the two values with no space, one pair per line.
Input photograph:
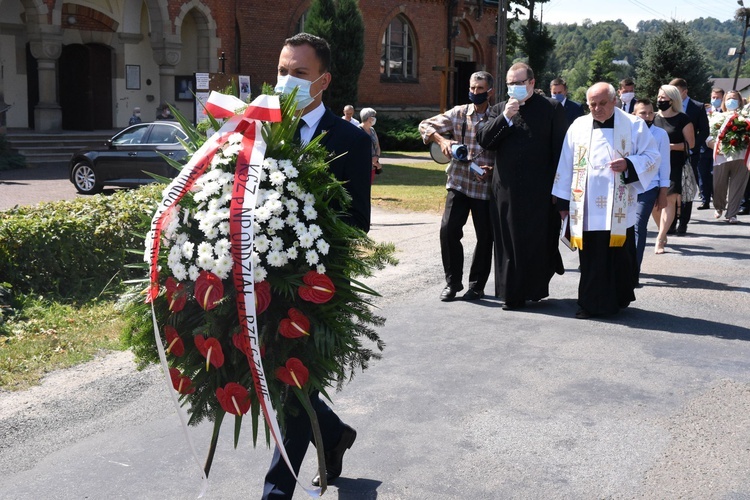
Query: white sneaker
[732,220]
[717,214]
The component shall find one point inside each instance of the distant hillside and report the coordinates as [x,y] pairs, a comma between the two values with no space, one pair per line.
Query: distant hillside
[576,42]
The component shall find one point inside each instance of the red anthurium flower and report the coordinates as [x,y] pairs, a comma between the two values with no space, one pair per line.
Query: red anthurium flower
[176,294]
[318,288]
[234,398]
[208,290]
[262,296]
[211,349]
[296,325]
[180,382]
[294,373]
[175,345]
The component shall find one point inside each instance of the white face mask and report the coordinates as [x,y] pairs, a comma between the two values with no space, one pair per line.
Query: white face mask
[626,97]
[518,92]
[732,104]
[286,84]
[373,121]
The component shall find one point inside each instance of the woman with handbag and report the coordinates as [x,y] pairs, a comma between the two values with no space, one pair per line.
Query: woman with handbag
[679,128]
[730,176]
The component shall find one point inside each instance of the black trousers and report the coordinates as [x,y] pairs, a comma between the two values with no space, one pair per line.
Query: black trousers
[706,176]
[607,277]
[280,483]
[458,206]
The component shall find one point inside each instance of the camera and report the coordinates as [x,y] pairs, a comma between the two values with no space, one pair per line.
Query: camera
[460,152]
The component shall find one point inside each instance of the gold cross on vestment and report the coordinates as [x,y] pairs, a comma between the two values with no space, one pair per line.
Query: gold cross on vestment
[575,216]
[601,201]
[620,215]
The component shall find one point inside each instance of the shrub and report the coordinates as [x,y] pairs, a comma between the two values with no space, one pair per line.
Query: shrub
[74,249]
[399,134]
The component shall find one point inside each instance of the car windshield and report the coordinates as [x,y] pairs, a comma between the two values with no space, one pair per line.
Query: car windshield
[132,135]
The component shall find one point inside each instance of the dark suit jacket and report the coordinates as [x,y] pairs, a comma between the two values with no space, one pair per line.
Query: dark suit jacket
[630,107]
[572,110]
[697,113]
[354,167]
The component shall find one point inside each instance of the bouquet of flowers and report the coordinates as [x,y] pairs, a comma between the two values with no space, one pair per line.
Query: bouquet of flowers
[253,291]
[732,133]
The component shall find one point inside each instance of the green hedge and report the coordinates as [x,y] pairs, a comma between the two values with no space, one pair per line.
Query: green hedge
[399,134]
[74,249]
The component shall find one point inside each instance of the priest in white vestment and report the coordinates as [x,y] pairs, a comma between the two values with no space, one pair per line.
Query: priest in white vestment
[607,159]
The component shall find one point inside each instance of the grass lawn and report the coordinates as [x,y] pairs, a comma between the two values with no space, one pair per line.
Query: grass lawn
[408,184]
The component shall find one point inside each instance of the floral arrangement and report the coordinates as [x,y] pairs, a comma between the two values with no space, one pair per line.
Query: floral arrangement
[313,317]
[732,133]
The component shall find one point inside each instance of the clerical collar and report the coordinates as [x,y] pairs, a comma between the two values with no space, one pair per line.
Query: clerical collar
[609,123]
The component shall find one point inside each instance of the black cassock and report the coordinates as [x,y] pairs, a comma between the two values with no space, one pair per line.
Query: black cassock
[525,223]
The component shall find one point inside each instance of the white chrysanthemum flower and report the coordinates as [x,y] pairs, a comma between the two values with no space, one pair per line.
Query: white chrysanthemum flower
[277,243]
[213,205]
[315,231]
[293,188]
[256,227]
[212,233]
[256,258]
[276,224]
[222,214]
[222,247]
[292,205]
[270,164]
[181,239]
[308,199]
[179,272]
[292,220]
[275,206]
[277,178]
[235,138]
[311,256]
[259,274]
[300,228]
[232,150]
[205,262]
[262,214]
[306,240]
[205,249]
[323,246]
[223,266]
[288,168]
[292,253]
[226,198]
[261,243]
[310,212]
[225,179]
[272,194]
[275,259]
[187,249]
[193,272]
[320,269]
[224,227]
[285,163]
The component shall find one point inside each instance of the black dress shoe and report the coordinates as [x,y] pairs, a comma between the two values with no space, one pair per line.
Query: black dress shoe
[449,292]
[472,294]
[582,313]
[514,305]
[335,456]
[704,206]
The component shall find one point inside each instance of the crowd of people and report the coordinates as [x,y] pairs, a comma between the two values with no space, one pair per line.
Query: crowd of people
[608,173]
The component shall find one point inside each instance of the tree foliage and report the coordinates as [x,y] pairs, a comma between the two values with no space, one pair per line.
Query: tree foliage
[601,67]
[340,23]
[672,53]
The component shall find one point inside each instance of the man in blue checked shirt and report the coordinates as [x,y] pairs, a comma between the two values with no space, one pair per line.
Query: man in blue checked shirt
[468,186]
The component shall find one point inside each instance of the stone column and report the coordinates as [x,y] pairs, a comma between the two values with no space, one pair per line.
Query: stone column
[46,48]
[167,55]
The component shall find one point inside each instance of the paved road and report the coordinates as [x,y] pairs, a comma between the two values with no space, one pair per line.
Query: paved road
[469,401]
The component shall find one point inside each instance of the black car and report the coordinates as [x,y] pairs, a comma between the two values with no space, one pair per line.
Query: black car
[125,159]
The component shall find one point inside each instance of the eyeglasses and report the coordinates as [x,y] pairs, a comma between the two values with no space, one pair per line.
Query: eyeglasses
[522,82]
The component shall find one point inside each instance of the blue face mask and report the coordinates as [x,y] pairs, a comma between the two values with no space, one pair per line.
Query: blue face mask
[716,103]
[518,92]
[732,104]
[559,97]
[286,84]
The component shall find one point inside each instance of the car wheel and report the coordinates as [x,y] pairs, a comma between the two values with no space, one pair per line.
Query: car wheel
[84,179]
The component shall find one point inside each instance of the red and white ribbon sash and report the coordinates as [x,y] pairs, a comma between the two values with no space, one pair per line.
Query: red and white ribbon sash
[242,208]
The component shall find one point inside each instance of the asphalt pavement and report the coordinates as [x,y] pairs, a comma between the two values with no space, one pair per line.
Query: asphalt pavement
[468,402]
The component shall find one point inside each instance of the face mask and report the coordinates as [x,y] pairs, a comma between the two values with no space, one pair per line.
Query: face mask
[559,97]
[138,113]
[518,92]
[373,121]
[663,105]
[716,103]
[626,97]
[286,84]
[478,98]
[732,104]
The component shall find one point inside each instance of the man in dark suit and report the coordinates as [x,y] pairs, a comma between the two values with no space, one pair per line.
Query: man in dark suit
[697,113]
[304,63]
[626,95]
[558,89]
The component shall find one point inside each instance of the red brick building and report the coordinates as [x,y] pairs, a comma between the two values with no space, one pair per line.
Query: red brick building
[65,65]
